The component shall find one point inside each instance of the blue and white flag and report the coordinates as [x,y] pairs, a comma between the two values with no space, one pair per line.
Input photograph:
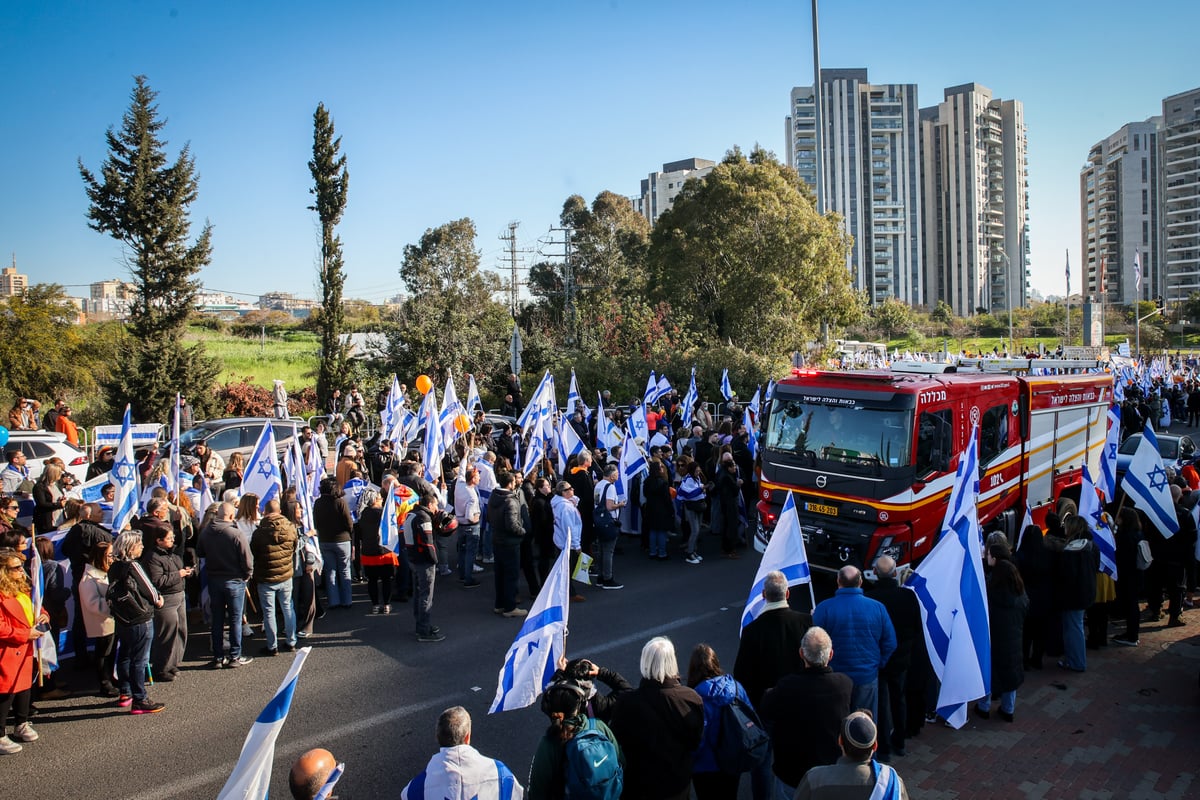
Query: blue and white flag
[726,389]
[662,389]
[473,401]
[327,789]
[393,408]
[952,598]
[297,475]
[463,772]
[633,463]
[1102,535]
[251,778]
[390,537]
[1026,524]
[689,402]
[574,401]
[568,444]
[770,392]
[37,588]
[262,470]
[887,783]
[531,416]
[173,484]
[785,553]
[1118,389]
[433,448]
[533,656]
[639,426]
[748,423]
[754,403]
[608,435]
[450,411]
[1145,483]
[124,476]
[534,453]
[1108,457]
[651,390]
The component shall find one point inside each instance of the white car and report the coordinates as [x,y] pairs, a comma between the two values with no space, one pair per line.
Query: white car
[41,445]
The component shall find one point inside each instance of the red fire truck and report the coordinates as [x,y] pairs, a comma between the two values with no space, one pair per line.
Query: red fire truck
[871,456]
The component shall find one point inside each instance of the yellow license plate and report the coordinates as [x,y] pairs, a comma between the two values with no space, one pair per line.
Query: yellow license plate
[817,508]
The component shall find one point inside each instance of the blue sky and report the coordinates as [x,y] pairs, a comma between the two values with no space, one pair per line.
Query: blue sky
[499,111]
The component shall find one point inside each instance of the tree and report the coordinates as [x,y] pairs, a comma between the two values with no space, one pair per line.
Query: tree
[451,320]
[745,252]
[330,181]
[40,346]
[892,316]
[142,201]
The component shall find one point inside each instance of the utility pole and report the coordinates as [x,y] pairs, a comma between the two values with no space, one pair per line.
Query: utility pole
[569,287]
[514,266]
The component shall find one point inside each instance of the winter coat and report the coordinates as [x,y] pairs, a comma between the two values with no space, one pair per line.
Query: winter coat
[1075,575]
[716,693]
[659,726]
[905,614]
[228,557]
[804,714]
[504,517]
[331,518]
[659,511]
[770,649]
[162,568]
[568,525]
[16,651]
[1006,614]
[97,620]
[862,634]
[273,545]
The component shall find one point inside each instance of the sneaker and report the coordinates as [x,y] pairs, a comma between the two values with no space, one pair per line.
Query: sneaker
[471,584]
[444,570]
[611,583]
[216,663]
[8,747]
[25,733]
[385,610]
[486,560]
[108,690]
[124,701]
[284,647]
[516,612]
[374,609]
[1121,640]
[432,636]
[146,707]
[692,558]
[240,661]
[269,652]
[477,568]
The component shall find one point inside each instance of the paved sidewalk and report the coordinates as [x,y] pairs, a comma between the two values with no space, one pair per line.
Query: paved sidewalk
[1126,728]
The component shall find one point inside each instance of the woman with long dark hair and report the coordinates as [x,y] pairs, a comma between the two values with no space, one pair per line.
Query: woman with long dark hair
[1007,607]
[1035,563]
[1129,577]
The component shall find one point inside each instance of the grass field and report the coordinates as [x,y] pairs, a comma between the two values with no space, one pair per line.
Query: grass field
[291,358]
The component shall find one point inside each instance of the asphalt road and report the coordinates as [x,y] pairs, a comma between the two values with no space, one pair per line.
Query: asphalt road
[369,691]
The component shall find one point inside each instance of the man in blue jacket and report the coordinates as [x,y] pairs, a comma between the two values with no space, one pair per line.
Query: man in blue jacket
[862,634]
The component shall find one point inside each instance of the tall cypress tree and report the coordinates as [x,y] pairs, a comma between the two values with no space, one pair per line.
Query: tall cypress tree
[142,201]
[330,179]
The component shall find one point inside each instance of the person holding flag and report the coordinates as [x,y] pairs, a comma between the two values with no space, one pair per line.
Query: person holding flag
[18,634]
[378,536]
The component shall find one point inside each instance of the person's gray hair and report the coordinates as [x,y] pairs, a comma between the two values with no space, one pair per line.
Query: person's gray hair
[658,660]
[885,566]
[816,647]
[611,470]
[849,577]
[226,511]
[775,587]
[124,545]
[155,504]
[585,457]
[453,727]
[367,499]
[229,496]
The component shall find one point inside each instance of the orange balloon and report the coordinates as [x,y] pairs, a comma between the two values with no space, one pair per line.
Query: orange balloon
[424,384]
[462,423]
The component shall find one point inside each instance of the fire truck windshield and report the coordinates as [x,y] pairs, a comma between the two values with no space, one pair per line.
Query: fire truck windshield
[848,433]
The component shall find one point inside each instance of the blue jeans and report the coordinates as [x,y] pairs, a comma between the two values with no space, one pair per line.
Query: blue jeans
[468,547]
[866,695]
[133,657]
[266,598]
[1074,643]
[338,588]
[424,576]
[228,598]
[658,543]
[1008,702]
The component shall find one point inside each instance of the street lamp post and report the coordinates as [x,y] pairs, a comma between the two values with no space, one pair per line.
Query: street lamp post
[1007,294]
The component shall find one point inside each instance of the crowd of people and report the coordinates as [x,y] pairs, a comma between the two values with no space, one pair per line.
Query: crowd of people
[855,669]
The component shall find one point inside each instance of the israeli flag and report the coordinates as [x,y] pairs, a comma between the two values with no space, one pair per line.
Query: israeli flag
[262,470]
[1090,510]
[124,476]
[548,409]
[204,497]
[534,454]
[574,401]
[473,401]
[726,389]
[753,405]
[1145,483]
[532,413]
[633,463]
[1108,458]
[785,553]
[297,475]
[650,394]
[315,467]
[173,484]
[770,392]
[450,410]
[389,530]
[569,444]
[662,389]
[433,447]
[533,656]
[393,408]
[1119,388]
[1026,524]
[251,778]
[608,435]
[748,422]
[950,592]
[887,783]
[689,401]
[639,426]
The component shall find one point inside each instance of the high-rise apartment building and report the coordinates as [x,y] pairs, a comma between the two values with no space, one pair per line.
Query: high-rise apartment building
[872,175]
[1119,204]
[976,197]
[1180,143]
[660,188]
[12,283]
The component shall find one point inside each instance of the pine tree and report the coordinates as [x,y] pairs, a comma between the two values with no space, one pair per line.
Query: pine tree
[142,201]
[330,179]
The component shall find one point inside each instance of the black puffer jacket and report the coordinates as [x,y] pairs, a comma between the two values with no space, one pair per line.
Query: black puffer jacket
[659,726]
[162,568]
[1075,576]
[504,517]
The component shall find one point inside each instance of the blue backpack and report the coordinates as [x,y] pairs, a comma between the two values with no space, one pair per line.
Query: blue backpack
[742,743]
[593,767]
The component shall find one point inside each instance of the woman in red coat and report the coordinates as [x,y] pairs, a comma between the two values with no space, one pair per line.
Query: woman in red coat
[17,636]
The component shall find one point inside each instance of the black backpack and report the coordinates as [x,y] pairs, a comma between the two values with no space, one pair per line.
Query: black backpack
[126,604]
[742,743]
[607,528]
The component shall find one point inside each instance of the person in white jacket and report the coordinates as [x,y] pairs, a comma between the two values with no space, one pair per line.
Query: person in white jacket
[97,621]
[568,525]
[460,772]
